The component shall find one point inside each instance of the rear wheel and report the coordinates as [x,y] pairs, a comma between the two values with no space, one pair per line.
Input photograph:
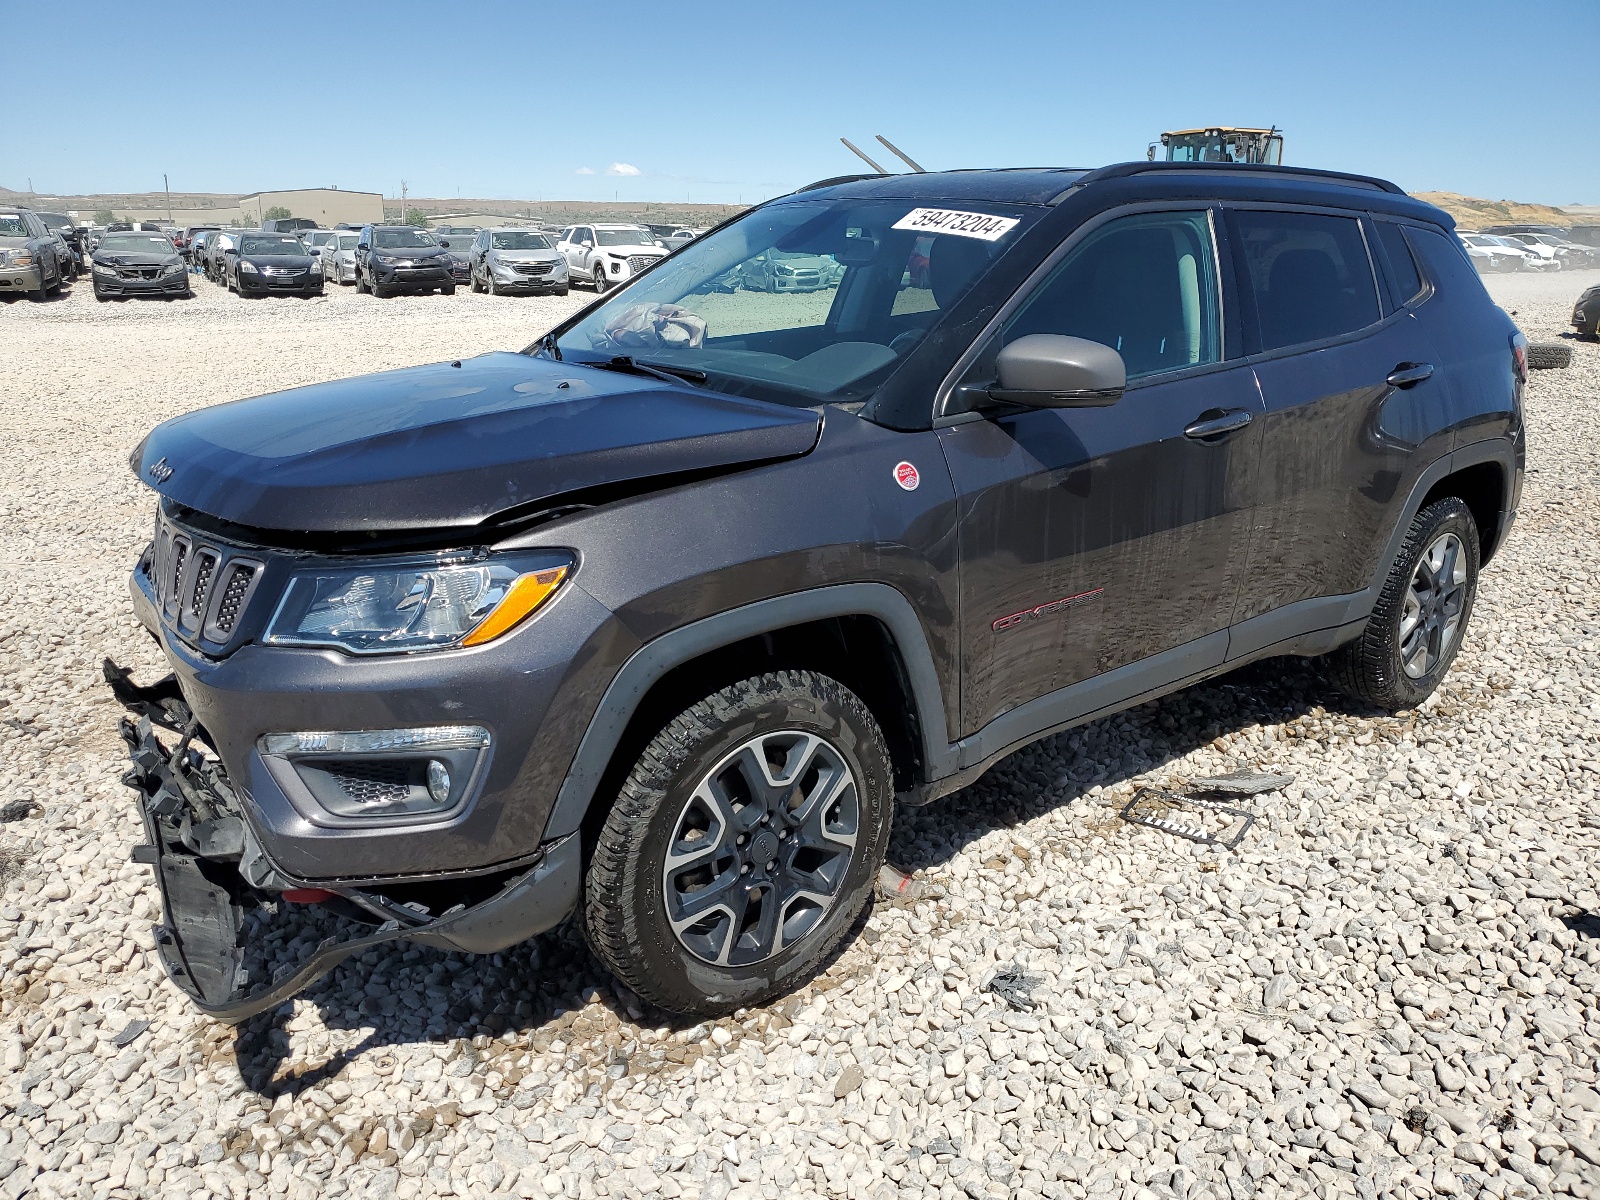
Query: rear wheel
[743,844]
[1421,615]
[477,283]
[598,273]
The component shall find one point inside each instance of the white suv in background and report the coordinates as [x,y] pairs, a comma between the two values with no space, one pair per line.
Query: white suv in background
[606,255]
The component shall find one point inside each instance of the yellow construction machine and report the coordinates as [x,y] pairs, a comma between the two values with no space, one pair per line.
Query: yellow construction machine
[1222,143]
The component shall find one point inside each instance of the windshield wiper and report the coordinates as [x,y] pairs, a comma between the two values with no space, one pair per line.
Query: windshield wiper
[656,370]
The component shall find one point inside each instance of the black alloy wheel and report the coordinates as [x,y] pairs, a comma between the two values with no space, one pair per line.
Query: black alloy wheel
[1421,615]
[743,844]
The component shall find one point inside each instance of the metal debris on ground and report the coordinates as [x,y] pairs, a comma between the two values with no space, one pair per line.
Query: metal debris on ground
[1014,986]
[1208,822]
[1243,783]
[130,1033]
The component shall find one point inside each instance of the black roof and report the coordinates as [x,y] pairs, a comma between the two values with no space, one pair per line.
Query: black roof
[1052,185]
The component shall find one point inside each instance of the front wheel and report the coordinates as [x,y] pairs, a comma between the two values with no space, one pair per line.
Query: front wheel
[599,274]
[742,845]
[1421,615]
[448,291]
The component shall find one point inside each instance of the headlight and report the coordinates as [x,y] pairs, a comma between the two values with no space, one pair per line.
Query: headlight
[388,260]
[176,268]
[414,606]
[21,258]
[248,267]
[316,266]
[103,269]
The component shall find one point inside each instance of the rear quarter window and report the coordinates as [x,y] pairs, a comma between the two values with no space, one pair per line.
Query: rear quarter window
[1403,273]
[1447,263]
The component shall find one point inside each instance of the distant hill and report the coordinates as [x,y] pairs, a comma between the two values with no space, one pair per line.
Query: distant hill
[1472,213]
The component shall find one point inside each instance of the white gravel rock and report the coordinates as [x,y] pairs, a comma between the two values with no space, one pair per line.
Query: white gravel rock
[1388,989]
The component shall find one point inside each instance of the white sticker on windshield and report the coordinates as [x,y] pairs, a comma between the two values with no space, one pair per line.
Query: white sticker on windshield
[966,224]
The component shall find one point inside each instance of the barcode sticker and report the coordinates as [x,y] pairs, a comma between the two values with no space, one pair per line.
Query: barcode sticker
[984,226]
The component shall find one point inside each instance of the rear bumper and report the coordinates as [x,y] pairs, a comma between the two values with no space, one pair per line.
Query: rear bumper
[239,935]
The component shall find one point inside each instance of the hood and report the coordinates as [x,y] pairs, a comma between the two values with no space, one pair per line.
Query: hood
[409,252]
[151,259]
[630,251]
[278,260]
[443,446]
[526,255]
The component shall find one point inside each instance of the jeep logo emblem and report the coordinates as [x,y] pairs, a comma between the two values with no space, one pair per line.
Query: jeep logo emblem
[160,470]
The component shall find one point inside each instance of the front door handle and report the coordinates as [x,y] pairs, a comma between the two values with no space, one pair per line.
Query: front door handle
[1409,374]
[1217,424]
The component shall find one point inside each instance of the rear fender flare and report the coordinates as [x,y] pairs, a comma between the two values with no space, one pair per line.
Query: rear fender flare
[652,661]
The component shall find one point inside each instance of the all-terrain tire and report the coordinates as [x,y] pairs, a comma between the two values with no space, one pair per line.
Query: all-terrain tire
[1370,668]
[625,910]
[1545,356]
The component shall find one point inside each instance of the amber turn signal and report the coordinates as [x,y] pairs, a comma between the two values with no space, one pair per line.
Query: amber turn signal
[523,599]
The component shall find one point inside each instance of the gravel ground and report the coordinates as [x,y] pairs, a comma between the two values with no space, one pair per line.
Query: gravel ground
[1388,988]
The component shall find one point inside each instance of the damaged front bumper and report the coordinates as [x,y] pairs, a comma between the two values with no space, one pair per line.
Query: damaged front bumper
[224,900]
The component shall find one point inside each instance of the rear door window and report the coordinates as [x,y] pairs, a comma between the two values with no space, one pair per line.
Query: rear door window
[1309,275]
[1145,285]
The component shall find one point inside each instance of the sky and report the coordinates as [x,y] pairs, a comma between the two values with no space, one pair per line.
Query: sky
[734,102]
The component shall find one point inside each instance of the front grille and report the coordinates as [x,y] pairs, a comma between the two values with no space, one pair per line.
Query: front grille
[638,262]
[141,272]
[373,782]
[202,589]
[536,268]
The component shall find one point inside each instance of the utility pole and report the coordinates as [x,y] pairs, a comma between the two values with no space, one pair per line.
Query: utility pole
[164,188]
[402,202]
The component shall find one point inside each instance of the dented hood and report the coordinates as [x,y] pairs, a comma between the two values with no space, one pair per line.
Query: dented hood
[446,446]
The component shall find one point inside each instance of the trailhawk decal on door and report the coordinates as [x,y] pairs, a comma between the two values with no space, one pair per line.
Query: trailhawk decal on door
[1044,610]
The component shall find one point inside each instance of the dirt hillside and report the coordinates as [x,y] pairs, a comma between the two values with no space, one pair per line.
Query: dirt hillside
[1471,213]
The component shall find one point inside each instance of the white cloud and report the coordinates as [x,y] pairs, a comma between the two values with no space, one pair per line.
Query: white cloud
[623,169]
[585,171]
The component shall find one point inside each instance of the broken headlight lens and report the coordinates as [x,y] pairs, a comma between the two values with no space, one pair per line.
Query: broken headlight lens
[398,608]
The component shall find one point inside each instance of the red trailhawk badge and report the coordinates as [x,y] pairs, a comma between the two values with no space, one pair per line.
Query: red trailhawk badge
[906,476]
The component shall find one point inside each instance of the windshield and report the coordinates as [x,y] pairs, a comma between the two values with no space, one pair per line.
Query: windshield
[625,237]
[800,302]
[136,243]
[401,239]
[319,237]
[347,241]
[12,225]
[517,240]
[54,220]
[273,245]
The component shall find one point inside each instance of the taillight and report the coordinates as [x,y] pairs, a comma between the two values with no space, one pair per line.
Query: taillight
[1519,357]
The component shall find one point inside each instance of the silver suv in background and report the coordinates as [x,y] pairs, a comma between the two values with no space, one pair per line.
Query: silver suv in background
[606,255]
[511,259]
[30,255]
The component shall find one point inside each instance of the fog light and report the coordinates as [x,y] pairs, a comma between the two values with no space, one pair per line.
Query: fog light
[438,781]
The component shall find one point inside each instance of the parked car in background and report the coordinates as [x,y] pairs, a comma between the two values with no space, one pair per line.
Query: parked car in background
[30,255]
[458,246]
[1568,255]
[1488,255]
[606,255]
[401,258]
[274,264]
[777,270]
[197,250]
[466,231]
[186,240]
[218,246]
[1586,315]
[1555,230]
[317,239]
[138,263]
[288,224]
[71,236]
[1588,235]
[1527,260]
[339,257]
[511,259]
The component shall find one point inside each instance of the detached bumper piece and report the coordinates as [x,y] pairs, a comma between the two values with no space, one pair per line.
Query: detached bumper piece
[240,937]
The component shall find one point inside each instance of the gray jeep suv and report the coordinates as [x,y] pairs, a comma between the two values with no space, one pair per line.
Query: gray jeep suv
[658,620]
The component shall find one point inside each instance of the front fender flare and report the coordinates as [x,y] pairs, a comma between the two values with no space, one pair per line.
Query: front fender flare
[652,661]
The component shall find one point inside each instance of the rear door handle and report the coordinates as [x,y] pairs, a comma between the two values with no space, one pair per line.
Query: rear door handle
[1218,425]
[1409,374]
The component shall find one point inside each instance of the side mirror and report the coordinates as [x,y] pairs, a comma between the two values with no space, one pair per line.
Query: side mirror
[363,246]
[1049,370]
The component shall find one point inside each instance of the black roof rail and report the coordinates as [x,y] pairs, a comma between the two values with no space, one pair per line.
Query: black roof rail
[1348,179]
[822,183]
